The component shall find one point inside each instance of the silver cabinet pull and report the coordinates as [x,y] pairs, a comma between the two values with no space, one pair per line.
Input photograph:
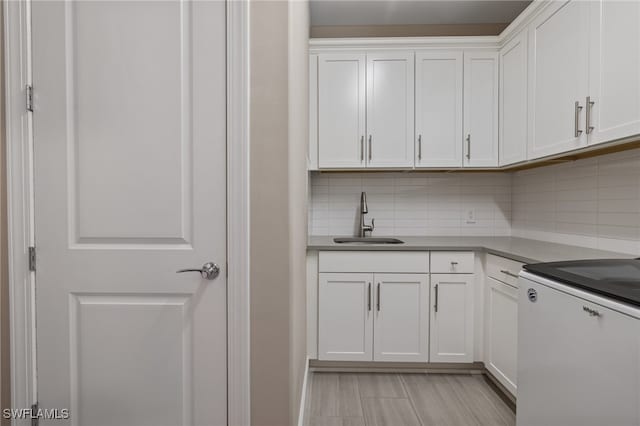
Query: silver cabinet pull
[588,125]
[369,298]
[435,305]
[369,147]
[378,299]
[208,271]
[469,146]
[419,147]
[508,273]
[591,312]
[453,263]
[578,108]
[361,148]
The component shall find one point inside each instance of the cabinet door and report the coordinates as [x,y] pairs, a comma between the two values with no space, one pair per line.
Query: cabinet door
[451,324]
[401,325]
[615,70]
[513,101]
[480,109]
[502,333]
[345,317]
[341,110]
[390,109]
[558,69]
[575,368]
[438,109]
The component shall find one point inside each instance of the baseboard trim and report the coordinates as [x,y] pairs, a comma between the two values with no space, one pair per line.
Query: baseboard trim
[501,390]
[303,395]
[395,367]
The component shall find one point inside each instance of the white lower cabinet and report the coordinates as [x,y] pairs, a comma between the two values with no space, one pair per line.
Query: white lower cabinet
[401,320]
[345,317]
[373,317]
[451,325]
[502,333]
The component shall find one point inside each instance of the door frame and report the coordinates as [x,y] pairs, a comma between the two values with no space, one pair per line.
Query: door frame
[20,213]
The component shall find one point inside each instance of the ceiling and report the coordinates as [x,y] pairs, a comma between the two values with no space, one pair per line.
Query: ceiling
[411,12]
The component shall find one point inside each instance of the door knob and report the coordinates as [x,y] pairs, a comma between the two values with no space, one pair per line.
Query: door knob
[209,270]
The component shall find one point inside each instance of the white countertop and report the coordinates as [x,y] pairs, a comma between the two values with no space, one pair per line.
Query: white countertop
[520,249]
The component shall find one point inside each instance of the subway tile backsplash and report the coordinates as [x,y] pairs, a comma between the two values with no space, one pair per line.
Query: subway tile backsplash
[593,202]
[412,203]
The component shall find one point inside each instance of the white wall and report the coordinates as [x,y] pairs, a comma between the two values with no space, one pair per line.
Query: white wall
[593,202]
[412,203]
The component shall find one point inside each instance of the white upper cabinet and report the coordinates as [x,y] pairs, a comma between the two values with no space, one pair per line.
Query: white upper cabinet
[401,325]
[438,109]
[614,80]
[480,109]
[390,109]
[513,100]
[341,110]
[558,77]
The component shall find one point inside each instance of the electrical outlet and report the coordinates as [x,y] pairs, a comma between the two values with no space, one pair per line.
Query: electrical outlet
[471,216]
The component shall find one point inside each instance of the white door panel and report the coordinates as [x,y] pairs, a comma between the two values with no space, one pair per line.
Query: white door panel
[341,110]
[345,317]
[558,70]
[480,109]
[130,178]
[451,326]
[439,109]
[513,100]
[390,109]
[614,80]
[401,324]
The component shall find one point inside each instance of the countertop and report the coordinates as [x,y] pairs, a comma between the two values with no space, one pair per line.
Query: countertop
[520,249]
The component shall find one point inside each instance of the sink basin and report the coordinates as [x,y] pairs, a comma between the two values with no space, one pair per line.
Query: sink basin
[367,240]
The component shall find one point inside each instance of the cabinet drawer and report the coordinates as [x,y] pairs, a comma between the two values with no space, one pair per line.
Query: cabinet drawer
[503,269]
[374,261]
[452,262]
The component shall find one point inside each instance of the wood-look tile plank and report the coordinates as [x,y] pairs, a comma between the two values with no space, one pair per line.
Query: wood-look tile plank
[380,386]
[389,412]
[336,421]
[349,396]
[435,400]
[486,407]
[324,395]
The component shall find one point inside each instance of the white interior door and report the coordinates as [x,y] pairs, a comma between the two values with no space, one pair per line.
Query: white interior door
[129,140]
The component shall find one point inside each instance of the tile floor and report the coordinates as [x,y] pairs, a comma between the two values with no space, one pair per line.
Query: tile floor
[367,399]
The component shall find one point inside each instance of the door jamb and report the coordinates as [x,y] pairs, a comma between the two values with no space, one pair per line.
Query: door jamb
[19,161]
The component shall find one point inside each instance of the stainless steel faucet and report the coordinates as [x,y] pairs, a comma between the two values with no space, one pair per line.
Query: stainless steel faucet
[364,210]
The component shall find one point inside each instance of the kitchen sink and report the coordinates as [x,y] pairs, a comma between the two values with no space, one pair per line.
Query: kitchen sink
[366,240]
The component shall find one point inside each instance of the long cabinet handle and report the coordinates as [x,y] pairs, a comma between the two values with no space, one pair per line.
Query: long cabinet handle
[588,125]
[419,147]
[362,148]
[469,146]
[369,147]
[378,298]
[369,297]
[511,274]
[591,312]
[435,305]
[578,108]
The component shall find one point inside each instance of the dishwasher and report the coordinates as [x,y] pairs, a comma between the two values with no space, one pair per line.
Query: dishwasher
[579,343]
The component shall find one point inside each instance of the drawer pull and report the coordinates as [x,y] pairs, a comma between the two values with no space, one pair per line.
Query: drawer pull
[591,312]
[511,274]
[454,263]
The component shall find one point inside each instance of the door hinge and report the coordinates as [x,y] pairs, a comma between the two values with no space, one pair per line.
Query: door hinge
[29,97]
[35,419]
[32,258]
